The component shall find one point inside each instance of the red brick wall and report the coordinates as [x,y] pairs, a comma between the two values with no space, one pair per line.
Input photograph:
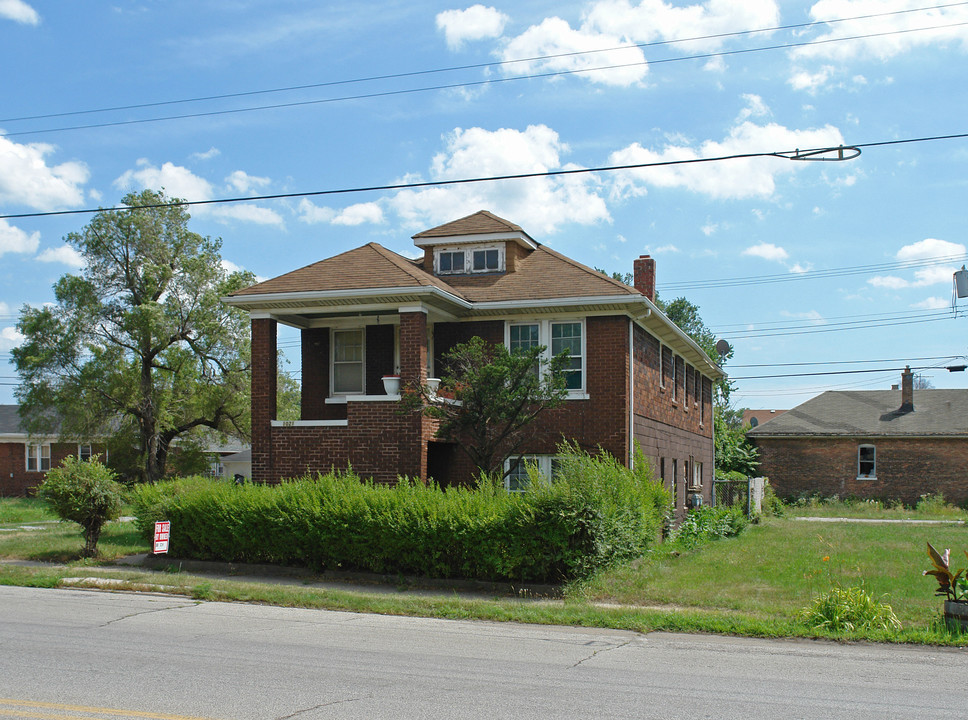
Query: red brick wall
[15,480]
[315,374]
[679,428]
[906,469]
[264,361]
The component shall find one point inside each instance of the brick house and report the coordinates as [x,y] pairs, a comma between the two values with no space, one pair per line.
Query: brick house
[875,444]
[25,460]
[634,376]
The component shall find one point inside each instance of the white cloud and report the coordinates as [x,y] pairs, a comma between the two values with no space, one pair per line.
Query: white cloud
[927,250]
[664,250]
[709,229]
[25,177]
[243,182]
[15,240]
[891,282]
[207,155]
[653,20]
[65,254]
[738,178]
[799,269]
[575,51]
[475,23]
[230,267]
[891,31]
[19,11]
[353,215]
[755,107]
[539,204]
[811,81]
[767,251]
[9,338]
[932,303]
[180,182]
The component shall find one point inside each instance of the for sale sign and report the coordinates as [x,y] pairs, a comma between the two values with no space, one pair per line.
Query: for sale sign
[162,531]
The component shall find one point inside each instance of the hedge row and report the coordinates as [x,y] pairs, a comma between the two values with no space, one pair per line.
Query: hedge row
[595,513]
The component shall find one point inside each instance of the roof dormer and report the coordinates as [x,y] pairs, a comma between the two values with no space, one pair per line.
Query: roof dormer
[481,243]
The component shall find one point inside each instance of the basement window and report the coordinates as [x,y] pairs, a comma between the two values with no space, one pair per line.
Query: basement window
[866,461]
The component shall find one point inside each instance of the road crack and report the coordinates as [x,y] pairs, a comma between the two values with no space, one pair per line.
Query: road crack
[148,612]
[321,705]
[601,650]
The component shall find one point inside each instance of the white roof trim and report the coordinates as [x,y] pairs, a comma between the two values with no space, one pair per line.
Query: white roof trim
[517,236]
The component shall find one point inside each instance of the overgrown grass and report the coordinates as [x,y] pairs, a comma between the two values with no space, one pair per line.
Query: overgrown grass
[929,507]
[778,567]
[63,542]
[24,510]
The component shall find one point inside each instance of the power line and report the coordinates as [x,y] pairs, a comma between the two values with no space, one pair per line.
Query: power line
[795,154]
[834,372]
[811,322]
[847,362]
[840,327]
[478,66]
[810,274]
[489,81]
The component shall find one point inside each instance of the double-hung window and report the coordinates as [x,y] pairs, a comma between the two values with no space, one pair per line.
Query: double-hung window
[347,362]
[866,461]
[517,478]
[557,337]
[38,458]
[84,453]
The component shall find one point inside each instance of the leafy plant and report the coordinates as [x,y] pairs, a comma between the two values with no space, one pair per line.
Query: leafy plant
[708,523]
[83,492]
[953,586]
[849,608]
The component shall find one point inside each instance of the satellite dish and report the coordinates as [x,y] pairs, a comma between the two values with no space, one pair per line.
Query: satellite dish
[723,348]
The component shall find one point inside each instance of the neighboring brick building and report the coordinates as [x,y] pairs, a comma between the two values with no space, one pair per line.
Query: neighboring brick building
[876,444]
[25,460]
[634,378]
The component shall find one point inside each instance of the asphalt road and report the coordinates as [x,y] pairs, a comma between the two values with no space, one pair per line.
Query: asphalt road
[74,653]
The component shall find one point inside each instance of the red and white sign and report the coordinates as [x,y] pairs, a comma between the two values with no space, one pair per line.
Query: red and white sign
[162,531]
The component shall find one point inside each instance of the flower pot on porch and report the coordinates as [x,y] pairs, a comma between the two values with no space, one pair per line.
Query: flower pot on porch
[432,385]
[956,615]
[391,384]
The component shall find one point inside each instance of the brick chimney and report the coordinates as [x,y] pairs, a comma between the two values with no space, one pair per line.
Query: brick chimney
[643,276]
[907,389]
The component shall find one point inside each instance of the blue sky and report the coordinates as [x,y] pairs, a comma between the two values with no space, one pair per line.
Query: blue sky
[845,266]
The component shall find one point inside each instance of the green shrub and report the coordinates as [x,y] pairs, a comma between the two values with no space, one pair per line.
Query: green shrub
[708,523]
[85,493]
[849,608]
[771,504]
[594,513]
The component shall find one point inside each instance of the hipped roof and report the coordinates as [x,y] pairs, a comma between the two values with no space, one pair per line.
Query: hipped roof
[872,413]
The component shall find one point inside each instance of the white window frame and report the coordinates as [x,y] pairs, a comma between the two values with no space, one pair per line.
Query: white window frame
[675,379]
[469,251]
[544,338]
[39,453]
[332,361]
[544,463]
[872,475]
[85,456]
[661,367]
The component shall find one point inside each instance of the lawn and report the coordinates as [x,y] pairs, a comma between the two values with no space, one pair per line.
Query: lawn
[777,567]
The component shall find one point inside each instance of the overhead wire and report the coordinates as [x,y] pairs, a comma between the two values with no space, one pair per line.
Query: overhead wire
[488,81]
[491,64]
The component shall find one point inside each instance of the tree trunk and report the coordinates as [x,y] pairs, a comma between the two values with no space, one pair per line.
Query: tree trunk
[92,534]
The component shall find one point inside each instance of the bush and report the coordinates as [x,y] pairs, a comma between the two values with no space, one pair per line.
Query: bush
[85,493]
[708,523]
[595,513]
[849,609]
[771,504]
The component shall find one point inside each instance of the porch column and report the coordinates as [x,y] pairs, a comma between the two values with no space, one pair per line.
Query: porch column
[413,369]
[264,368]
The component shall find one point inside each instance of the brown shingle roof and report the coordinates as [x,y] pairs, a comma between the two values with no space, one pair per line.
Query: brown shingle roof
[480,223]
[369,266]
[542,275]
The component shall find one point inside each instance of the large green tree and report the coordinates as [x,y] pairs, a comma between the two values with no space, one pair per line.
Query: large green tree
[138,346]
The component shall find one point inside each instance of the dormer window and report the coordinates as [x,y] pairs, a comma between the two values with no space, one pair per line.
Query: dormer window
[450,262]
[459,261]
